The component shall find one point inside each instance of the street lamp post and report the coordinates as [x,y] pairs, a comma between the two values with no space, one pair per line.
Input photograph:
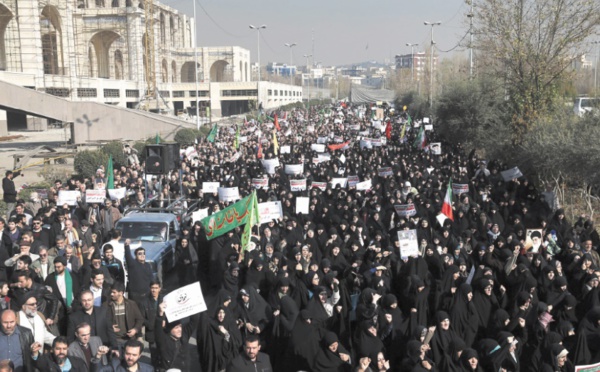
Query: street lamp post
[307,56]
[412,60]
[291,45]
[258,44]
[432,24]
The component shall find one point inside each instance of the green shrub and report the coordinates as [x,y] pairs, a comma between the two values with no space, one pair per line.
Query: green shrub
[87,162]
[50,174]
[187,136]
[115,148]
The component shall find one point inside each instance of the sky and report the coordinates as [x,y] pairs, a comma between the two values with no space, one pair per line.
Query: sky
[344,31]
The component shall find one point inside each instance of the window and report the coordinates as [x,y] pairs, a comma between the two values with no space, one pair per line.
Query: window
[270,92]
[201,93]
[87,92]
[111,93]
[178,93]
[239,93]
[132,93]
[59,92]
[164,93]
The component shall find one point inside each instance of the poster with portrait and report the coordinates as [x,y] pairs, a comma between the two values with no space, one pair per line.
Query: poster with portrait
[409,244]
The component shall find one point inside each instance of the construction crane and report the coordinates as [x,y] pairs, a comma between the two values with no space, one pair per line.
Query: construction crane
[152,100]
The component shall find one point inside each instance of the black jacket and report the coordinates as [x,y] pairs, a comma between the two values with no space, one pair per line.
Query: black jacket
[148,308]
[46,362]
[242,364]
[26,340]
[101,326]
[10,193]
[174,354]
[140,274]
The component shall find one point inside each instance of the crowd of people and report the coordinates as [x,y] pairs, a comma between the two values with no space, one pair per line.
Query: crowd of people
[506,284]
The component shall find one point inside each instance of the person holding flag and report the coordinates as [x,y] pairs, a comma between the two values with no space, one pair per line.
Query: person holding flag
[447,206]
[213,134]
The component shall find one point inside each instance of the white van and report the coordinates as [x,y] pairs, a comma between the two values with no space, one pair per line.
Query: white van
[586,104]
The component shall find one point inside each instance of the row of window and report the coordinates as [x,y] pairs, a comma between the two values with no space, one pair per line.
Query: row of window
[289,93]
[131,93]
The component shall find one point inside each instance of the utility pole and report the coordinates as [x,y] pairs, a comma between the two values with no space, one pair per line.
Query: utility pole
[412,60]
[596,66]
[307,56]
[471,15]
[432,24]
[258,44]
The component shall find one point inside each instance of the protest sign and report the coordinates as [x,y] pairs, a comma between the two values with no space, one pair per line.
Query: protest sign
[323,157]
[511,174]
[460,188]
[322,140]
[425,120]
[533,240]
[436,148]
[405,210]
[339,181]
[260,183]
[318,147]
[67,197]
[343,158]
[298,185]
[117,194]
[302,205]
[270,165]
[320,185]
[210,187]
[428,126]
[42,193]
[364,185]
[269,211]
[228,194]
[364,144]
[294,168]
[386,171]
[285,149]
[199,214]
[353,180]
[183,302]
[409,244]
[95,196]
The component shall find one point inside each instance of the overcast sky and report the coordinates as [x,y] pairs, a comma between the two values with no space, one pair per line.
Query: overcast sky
[342,28]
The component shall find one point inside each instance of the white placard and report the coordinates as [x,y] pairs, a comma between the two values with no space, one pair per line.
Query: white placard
[429,127]
[67,197]
[460,188]
[285,149]
[229,194]
[319,185]
[364,185]
[302,204]
[511,174]
[270,165]
[210,187]
[425,120]
[95,196]
[294,168]
[318,147]
[409,244]
[184,302]
[117,194]
[298,185]
[322,140]
[436,148]
[269,211]
[405,210]
[199,214]
[260,183]
[323,157]
[343,182]
[343,158]
[353,180]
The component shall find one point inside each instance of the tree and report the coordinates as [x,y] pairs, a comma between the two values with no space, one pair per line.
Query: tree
[531,44]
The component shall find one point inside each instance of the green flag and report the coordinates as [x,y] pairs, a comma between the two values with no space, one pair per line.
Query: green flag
[236,140]
[252,220]
[231,217]
[213,134]
[409,120]
[157,139]
[110,174]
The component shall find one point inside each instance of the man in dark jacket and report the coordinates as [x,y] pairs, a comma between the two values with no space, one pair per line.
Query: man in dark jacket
[149,309]
[57,359]
[139,271]
[251,359]
[16,342]
[172,341]
[10,192]
[130,361]
[96,317]
[124,315]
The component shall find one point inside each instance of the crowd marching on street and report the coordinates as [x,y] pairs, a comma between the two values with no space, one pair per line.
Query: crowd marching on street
[336,238]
